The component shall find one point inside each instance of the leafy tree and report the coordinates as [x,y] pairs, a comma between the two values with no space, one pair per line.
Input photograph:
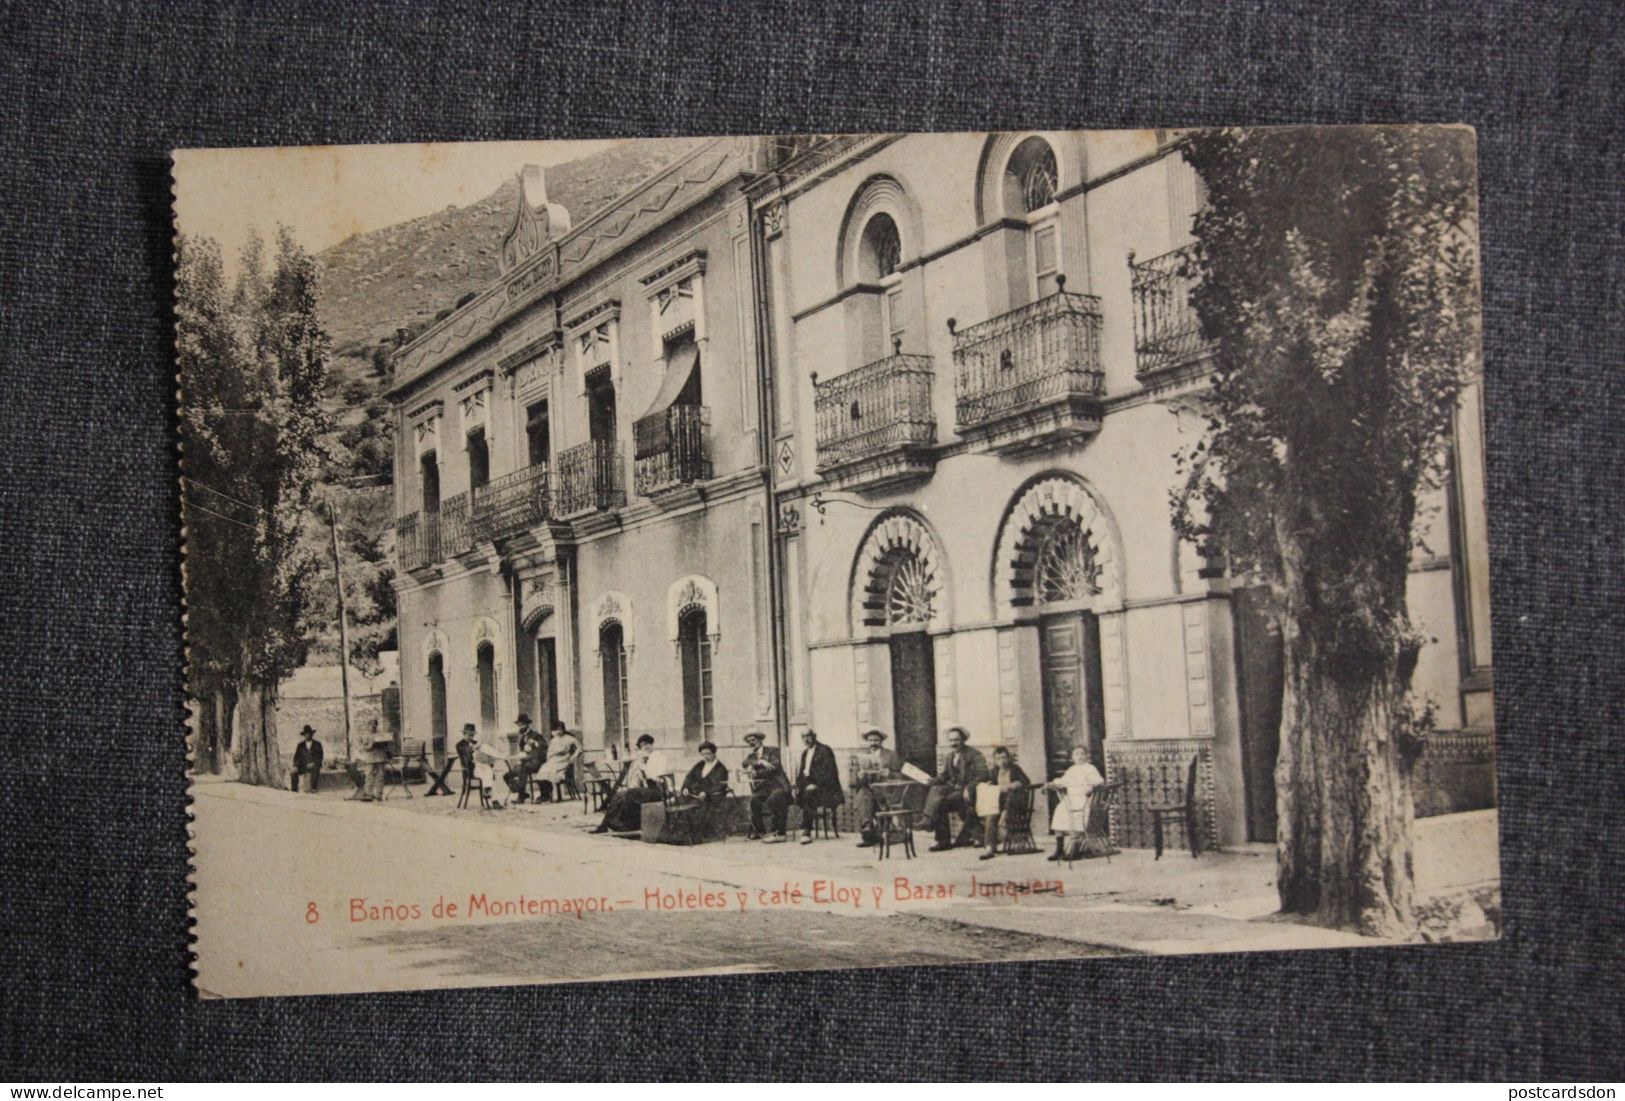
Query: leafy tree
[253,365]
[1337,284]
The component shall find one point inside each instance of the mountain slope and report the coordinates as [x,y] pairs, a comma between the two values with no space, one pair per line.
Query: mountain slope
[402,275]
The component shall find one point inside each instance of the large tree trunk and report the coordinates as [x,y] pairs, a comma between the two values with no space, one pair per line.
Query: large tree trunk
[257,753]
[1343,796]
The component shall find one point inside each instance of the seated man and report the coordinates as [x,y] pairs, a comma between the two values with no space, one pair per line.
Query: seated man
[817,784]
[484,762]
[953,791]
[1076,784]
[532,752]
[639,784]
[769,790]
[307,761]
[561,756]
[874,764]
[1007,778]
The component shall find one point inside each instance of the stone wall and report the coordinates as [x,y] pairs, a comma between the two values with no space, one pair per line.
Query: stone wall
[1456,773]
[326,714]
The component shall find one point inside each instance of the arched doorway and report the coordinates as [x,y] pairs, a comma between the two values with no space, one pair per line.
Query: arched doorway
[486,675]
[1056,566]
[1065,579]
[437,707]
[900,593]
[910,588]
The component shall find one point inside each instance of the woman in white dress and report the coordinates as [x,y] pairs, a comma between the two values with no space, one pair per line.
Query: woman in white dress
[562,749]
[1075,785]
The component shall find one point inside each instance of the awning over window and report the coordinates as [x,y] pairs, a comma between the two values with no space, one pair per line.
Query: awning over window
[651,434]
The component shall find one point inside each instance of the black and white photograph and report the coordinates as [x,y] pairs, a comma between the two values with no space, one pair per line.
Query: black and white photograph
[690,556]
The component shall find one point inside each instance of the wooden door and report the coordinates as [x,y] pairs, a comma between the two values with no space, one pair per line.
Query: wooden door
[547,684]
[486,674]
[437,707]
[1260,673]
[914,699]
[1074,712]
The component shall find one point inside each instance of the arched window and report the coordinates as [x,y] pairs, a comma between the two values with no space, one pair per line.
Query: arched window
[910,588]
[1065,568]
[880,254]
[612,658]
[694,646]
[881,251]
[1034,174]
[1031,182]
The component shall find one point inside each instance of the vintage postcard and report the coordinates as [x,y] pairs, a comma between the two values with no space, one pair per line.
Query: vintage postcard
[694,556]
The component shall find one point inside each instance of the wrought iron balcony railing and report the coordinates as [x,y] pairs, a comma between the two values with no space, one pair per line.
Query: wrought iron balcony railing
[1043,352]
[417,540]
[455,536]
[512,503]
[879,407]
[1166,330]
[589,478]
[670,449]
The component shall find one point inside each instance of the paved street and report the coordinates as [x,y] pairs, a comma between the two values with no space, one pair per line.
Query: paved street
[302,894]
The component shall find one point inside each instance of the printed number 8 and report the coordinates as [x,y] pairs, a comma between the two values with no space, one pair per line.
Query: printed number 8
[311,914]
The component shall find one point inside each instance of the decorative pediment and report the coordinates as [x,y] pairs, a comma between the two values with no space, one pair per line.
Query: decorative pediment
[535,220]
[425,422]
[613,607]
[693,592]
[536,601]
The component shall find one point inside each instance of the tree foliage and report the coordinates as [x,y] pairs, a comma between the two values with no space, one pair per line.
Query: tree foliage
[253,364]
[1336,285]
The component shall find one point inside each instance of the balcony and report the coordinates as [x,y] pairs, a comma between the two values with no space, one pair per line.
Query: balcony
[1167,333]
[511,504]
[670,450]
[417,540]
[589,478]
[455,536]
[874,424]
[1031,378]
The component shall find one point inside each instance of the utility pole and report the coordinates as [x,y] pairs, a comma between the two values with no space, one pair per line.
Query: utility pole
[344,630]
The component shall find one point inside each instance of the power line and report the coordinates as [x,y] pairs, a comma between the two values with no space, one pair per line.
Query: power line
[230,520]
[219,493]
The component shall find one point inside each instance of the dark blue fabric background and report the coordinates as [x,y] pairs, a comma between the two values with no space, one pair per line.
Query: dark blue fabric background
[92,790]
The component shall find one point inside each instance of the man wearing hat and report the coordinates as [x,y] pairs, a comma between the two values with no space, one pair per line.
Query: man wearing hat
[307,760]
[953,791]
[532,751]
[769,789]
[480,761]
[873,765]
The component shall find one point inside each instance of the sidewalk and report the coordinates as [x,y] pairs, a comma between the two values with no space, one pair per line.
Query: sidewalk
[1220,902]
